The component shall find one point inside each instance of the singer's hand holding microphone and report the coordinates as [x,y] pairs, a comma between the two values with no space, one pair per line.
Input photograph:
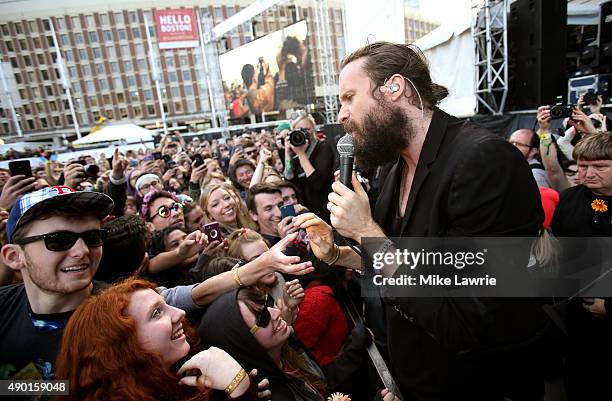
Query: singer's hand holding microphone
[350,209]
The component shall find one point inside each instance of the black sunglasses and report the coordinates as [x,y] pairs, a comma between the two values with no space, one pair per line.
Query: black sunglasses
[64,240]
[263,320]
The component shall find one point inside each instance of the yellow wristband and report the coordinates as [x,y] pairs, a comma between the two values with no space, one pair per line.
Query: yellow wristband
[235,381]
[236,276]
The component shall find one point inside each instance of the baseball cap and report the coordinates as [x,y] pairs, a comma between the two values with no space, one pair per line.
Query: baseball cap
[282,126]
[57,197]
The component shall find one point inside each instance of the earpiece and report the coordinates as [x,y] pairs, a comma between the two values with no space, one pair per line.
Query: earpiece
[394,87]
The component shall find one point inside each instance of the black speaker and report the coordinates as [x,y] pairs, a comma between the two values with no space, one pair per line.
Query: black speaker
[537,32]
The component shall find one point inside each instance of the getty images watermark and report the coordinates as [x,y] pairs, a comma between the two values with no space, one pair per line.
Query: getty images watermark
[413,260]
[486,267]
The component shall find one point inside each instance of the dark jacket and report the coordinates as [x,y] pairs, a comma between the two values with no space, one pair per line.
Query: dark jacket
[468,182]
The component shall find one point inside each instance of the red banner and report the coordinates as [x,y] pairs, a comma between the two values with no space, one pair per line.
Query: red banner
[176,28]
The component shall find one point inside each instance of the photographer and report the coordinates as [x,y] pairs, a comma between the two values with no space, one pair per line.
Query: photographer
[309,163]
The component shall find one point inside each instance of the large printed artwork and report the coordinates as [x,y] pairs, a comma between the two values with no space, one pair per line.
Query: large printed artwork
[272,73]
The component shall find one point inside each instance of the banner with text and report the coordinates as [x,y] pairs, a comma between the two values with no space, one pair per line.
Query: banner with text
[176,28]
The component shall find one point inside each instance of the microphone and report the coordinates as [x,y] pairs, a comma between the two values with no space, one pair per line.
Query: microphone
[345,149]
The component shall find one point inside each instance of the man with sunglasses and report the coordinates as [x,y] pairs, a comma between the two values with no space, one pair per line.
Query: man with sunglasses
[55,243]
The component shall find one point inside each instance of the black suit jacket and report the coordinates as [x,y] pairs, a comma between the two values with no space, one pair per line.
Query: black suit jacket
[468,182]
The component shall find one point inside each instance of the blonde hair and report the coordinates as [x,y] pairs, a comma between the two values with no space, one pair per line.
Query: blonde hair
[241,237]
[242,216]
[594,147]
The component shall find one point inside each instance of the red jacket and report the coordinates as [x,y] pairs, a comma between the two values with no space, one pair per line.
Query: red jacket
[321,324]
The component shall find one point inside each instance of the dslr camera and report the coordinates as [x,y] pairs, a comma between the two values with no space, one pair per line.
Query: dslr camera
[561,110]
[298,136]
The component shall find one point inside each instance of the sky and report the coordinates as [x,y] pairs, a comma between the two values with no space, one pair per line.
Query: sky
[444,11]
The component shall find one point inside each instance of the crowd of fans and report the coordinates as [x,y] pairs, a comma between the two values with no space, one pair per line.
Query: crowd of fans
[178,272]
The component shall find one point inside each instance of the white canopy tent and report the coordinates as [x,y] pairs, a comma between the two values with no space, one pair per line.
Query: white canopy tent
[128,133]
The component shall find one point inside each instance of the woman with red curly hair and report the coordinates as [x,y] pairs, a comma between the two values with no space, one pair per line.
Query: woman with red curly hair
[127,344]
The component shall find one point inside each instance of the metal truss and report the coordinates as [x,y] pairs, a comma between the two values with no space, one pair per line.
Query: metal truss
[489,31]
[326,61]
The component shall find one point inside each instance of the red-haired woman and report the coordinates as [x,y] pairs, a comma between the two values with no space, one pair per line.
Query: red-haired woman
[127,344]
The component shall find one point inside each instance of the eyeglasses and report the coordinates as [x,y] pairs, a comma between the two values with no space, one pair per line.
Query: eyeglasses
[64,240]
[517,144]
[164,211]
[264,318]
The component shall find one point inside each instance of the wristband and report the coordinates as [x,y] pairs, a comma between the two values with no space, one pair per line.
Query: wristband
[335,258]
[236,276]
[235,381]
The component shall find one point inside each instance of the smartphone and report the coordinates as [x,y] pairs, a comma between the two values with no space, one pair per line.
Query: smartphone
[236,149]
[287,210]
[157,155]
[20,167]
[198,159]
[213,231]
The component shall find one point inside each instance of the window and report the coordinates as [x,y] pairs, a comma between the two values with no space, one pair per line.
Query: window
[22,94]
[114,66]
[110,51]
[49,91]
[5,30]
[139,49]
[32,77]
[150,110]
[135,97]
[125,51]
[65,40]
[108,35]
[18,78]
[186,75]
[120,97]
[93,37]
[122,34]
[35,92]
[119,18]
[76,22]
[82,54]
[148,94]
[86,69]
[191,106]
[93,101]
[27,109]
[53,105]
[142,64]
[27,60]
[33,26]
[23,44]
[170,61]
[104,19]
[46,25]
[137,112]
[97,52]
[117,83]
[188,90]
[90,21]
[18,28]
[184,60]
[136,33]
[72,71]
[127,65]
[30,124]
[133,16]
[172,76]
[37,44]
[106,100]
[151,31]
[44,74]
[78,38]
[104,84]
[175,91]
[90,86]
[41,59]
[178,107]
[123,112]
[144,79]
[100,68]
[68,55]
[43,122]
[14,62]
[131,80]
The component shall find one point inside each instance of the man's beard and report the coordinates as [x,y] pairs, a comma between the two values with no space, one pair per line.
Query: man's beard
[382,135]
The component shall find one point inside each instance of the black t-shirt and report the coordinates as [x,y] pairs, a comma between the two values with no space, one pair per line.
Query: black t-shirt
[29,342]
[575,216]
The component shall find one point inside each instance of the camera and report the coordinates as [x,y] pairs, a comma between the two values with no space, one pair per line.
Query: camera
[298,137]
[560,110]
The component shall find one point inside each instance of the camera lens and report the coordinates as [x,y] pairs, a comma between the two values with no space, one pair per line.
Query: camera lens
[297,137]
[91,170]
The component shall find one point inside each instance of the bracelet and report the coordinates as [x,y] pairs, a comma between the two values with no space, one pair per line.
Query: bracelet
[336,256]
[236,276]
[235,381]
